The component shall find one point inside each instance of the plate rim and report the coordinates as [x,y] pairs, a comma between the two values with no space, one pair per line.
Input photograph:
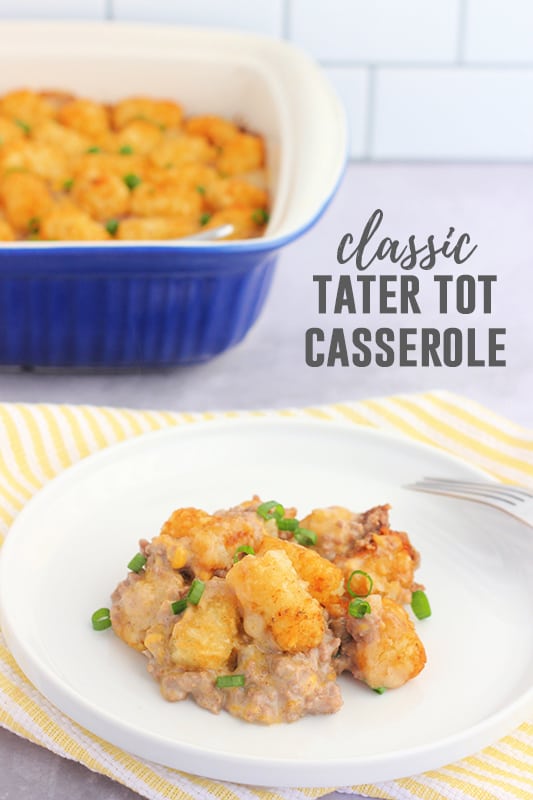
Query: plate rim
[392,765]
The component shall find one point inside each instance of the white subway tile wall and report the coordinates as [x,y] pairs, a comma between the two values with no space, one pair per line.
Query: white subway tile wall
[420,79]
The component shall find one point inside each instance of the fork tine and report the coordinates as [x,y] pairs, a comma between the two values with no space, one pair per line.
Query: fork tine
[519,493]
[463,491]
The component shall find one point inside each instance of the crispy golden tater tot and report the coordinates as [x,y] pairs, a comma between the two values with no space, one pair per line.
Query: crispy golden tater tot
[43,159]
[111,163]
[139,136]
[66,222]
[325,581]
[219,131]
[69,141]
[153,200]
[277,608]
[242,153]
[234,192]
[244,221]
[211,540]
[205,635]
[102,196]
[153,228]
[26,200]
[164,113]
[386,651]
[9,131]
[26,106]
[7,234]
[174,151]
[87,117]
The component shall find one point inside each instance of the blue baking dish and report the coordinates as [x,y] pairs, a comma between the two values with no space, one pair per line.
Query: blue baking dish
[156,304]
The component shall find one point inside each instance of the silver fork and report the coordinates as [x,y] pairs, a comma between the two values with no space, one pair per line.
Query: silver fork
[515,500]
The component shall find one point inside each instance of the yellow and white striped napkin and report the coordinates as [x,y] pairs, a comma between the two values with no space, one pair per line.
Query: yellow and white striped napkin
[38,441]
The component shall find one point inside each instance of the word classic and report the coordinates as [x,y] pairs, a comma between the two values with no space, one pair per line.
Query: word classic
[364,292]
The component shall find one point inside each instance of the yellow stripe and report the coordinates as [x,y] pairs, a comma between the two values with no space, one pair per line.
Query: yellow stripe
[153,421]
[13,725]
[19,456]
[56,434]
[170,417]
[480,423]
[518,745]
[6,516]
[94,426]
[351,414]
[462,786]
[372,791]
[507,759]
[399,422]
[188,417]
[509,787]
[77,431]
[318,413]
[462,438]
[504,773]
[225,792]
[37,441]
[133,420]
[420,790]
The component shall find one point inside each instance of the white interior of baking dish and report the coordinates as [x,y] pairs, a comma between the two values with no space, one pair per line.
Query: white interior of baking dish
[266,85]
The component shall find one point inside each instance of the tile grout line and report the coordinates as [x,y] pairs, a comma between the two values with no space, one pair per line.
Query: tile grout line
[286,19]
[370,109]
[461,31]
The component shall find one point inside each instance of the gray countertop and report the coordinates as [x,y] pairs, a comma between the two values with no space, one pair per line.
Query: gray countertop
[494,204]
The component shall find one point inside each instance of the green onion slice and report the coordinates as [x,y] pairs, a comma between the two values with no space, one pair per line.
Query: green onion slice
[94,149]
[126,150]
[111,226]
[137,563]
[288,524]
[260,216]
[68,184]
[305,537]
[131,180]
[244,548]
[179,605]
[195,592]
[420,604]
[359,607]
[271,510]
[24,125]
[204,218]
[33,225]
[200,189]
[100,619]
[366,575]
[380,690]
[227,681]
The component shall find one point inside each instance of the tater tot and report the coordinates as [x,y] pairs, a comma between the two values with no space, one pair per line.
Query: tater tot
[65,222]
[277,608]
[234,192]
[111,163]
[387,651]
[87,117]
[152,200]
[69,141]
[325,581]
[9,131]
[242,153]
[7,234]
[219,131]
[178,150]
[102,196]
[26,106]
[247,222]
[163,113]
[45,160]
[26,199]
[389,560]
[153,228]
[205,635]
[139,137]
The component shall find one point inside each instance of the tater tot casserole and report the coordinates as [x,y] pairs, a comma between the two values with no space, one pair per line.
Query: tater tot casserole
[72,168]
[149,178]
[256,612]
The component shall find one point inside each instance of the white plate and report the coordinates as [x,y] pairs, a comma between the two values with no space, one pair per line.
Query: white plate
[70,546]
